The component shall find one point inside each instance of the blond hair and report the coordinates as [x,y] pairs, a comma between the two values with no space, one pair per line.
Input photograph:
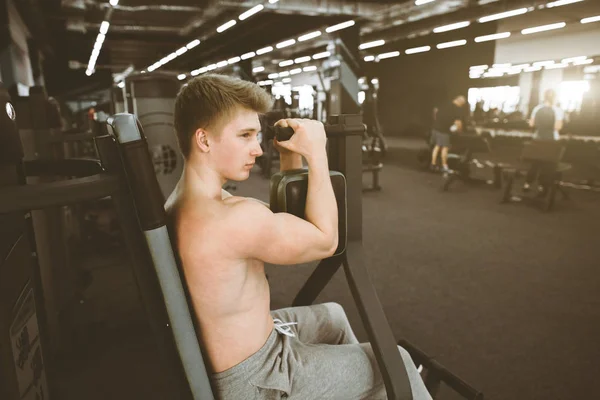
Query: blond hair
[208,100]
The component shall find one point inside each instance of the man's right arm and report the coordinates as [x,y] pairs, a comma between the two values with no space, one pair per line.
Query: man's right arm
[255,232]
[532,119]
[283,238]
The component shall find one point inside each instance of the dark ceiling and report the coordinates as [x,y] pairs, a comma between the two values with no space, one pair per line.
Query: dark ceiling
[142,32]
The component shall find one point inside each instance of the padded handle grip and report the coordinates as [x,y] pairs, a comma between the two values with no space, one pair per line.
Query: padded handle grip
[282,134]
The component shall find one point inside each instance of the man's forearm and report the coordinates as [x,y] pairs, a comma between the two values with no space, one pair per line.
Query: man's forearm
[288,162]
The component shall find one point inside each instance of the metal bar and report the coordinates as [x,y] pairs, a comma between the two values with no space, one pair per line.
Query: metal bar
[45,195]
[69,167]
[380,334]
[317,281]
[441,372]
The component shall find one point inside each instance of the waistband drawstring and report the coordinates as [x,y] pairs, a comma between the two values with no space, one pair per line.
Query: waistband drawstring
[284,327]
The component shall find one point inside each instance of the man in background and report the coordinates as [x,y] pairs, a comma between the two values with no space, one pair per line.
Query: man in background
[448,120]
[547,120]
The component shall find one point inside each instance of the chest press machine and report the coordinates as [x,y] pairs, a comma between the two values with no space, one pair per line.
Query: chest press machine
[125,172]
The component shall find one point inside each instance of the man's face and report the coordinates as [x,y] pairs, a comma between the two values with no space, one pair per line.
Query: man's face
[461,101]
[234,152]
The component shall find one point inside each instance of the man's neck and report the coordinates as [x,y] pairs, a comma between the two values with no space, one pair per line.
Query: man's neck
[200,180]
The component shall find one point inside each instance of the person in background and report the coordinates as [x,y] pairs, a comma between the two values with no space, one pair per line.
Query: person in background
[448,120]
[547,120]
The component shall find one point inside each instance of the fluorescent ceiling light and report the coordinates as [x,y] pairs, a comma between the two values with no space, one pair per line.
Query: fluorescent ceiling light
[308,36]
[369,58]
[561,3]
[302,59]
[374,43]
[192,44]
[195,72]
[506,14]
[493,74]
[104,27]
[285,43]
[273,1]
[543,28]
[556,66]
[286,63]
[532,69]
[388,55]
[321,55]
[478,66]
[543,63]
[286,80]
[246,56]
[421,2]
[284,73]
[251,12]
[584,62]
[495,36]
[226,26]
[258,69]
[181,77]
[590,19]
[233,60]
[295,71]
[100,38]
[415,50]
[221,64]
[114,2]
[451,27]
[337,27]
[309,68]
[454,43]
[273,76]
[573,59]
[181,51]
[264,50]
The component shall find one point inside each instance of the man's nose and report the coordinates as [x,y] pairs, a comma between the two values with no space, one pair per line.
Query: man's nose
[257,150]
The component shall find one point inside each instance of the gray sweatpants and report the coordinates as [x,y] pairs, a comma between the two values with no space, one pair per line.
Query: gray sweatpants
[317,358]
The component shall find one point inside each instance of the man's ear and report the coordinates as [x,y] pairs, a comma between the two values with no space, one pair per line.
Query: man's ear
[201,140]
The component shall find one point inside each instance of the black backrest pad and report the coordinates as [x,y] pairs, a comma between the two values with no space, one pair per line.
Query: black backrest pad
[288,194]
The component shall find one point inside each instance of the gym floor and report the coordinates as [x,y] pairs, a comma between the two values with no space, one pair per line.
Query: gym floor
[504,295]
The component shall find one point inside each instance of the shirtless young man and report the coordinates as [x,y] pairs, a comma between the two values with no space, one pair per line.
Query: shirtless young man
[223,242]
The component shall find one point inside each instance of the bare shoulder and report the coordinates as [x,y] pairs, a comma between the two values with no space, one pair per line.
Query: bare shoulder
[245,210]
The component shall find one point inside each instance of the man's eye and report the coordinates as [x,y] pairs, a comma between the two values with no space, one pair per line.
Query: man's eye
[246,135]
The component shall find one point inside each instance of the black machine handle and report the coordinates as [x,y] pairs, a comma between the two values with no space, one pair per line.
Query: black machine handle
[337,125]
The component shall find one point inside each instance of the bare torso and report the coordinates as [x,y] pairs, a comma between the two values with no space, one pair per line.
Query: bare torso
[230,295]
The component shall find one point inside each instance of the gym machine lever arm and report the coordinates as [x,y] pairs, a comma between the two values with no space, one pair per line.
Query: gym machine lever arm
[44,195]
